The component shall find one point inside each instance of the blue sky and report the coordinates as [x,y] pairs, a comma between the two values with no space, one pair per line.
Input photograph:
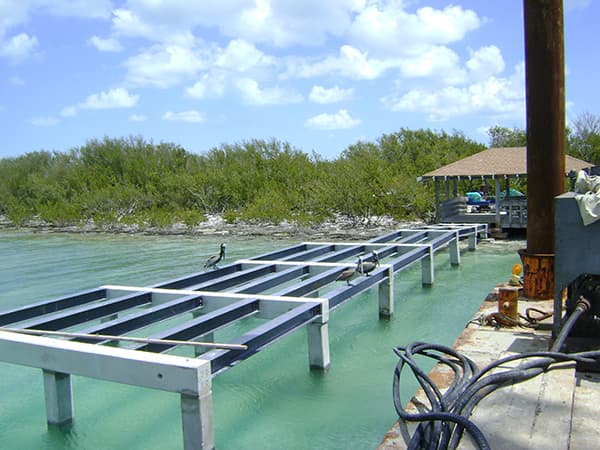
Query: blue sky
[319,74]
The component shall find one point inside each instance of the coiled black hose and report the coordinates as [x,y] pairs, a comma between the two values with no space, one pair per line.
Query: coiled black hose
[442,426]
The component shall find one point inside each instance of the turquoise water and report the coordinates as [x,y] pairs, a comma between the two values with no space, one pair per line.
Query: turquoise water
[272,400]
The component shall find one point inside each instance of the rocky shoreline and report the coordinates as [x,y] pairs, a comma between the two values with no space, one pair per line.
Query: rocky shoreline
[214,225]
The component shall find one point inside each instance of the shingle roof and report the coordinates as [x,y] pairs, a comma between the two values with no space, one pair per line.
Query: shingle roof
[496,162]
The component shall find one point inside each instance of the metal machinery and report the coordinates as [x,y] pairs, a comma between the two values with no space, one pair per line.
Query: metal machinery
[577,268]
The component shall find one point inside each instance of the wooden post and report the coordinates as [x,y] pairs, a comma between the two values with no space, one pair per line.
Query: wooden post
[508,302]
[545,94]
[545,89]
[538,275]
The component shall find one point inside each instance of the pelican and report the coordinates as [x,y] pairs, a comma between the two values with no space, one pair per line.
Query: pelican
[215,259]
[369,266]
[348,273]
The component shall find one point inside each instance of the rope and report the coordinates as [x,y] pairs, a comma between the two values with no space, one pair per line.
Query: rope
[498,320]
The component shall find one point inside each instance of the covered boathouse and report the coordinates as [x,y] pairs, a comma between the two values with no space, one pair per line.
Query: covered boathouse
[500,165]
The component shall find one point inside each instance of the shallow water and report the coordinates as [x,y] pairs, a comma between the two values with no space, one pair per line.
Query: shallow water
[272,400]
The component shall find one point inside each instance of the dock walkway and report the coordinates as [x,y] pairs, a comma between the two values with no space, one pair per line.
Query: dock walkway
[553,411]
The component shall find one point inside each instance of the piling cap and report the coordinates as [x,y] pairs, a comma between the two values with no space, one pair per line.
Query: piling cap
[517,269]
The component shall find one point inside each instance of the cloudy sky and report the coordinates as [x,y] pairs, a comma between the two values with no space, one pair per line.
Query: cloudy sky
[320,74]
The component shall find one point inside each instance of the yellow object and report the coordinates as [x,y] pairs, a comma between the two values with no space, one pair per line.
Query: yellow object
[517,269]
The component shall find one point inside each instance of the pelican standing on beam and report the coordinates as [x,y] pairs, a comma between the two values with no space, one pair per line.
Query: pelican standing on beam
[367,267]
[215,259]
[348,273]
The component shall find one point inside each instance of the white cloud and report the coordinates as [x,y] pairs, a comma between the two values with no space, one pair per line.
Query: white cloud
[106,45]
[275,23]
[350,63]
[387,28]
[338,121]
[18,47]
[191,116]
[14,13]
[435,62]
[137,118]
[44,121]
[253,94]
[283,24]
[496,97]
[127,23]
[319,94]
[485,62]
[438,62]
[114,98]
[165,65]
[209,85]
[241,56]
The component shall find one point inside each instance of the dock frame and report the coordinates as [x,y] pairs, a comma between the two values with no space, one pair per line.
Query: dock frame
[287,289]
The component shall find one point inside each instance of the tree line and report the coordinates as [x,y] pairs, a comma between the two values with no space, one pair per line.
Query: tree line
[582,137]
[134,181]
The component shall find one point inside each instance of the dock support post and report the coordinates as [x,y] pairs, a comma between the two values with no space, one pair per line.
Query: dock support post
[197,420]
[454,250]
[498,206]
[386,295]
[59,397]
[438,213]
[318,345]
[473,242]
[318,340]
[427,268]
[208,337]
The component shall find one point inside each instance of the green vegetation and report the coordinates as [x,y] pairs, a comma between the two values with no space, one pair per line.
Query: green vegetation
[582,137]
[132,181]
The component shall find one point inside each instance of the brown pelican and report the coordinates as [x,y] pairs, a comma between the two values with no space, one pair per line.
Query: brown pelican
[348,273]
[367,267]
[215,259]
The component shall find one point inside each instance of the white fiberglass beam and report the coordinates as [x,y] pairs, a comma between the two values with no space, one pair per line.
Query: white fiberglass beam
[214,294]
[151,370]
[369,244]
[298,263]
